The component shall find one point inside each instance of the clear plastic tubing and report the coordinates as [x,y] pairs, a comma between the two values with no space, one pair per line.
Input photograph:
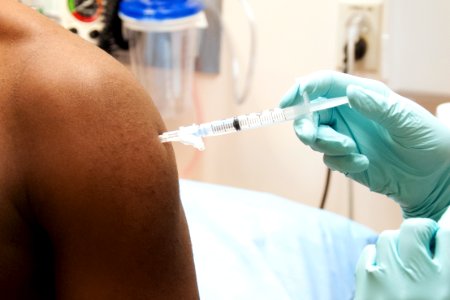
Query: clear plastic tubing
[192,135]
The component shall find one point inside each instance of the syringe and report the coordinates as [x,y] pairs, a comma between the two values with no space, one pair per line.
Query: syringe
[192,135]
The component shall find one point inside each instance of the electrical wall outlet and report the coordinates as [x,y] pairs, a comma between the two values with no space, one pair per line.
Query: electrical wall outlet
[371,12]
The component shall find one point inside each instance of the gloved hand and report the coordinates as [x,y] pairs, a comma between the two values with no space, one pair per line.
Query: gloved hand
[410,263]
[384,141]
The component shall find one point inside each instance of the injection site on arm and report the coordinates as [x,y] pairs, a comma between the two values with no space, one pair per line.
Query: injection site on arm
[193,135]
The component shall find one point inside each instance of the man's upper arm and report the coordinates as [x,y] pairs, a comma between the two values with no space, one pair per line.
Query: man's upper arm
[106,190]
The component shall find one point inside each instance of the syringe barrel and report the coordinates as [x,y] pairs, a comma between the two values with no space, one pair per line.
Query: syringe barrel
[266,117]
[243,122]
[192,135]
[217,127]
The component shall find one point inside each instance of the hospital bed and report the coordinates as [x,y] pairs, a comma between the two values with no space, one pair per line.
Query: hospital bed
[253,245]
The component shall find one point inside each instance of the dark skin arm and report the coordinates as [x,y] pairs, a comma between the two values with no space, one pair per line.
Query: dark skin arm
[98,181]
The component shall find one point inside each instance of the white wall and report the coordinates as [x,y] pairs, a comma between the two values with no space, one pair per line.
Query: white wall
[294,38]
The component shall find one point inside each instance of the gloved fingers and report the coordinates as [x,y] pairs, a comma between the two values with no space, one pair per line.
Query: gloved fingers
[292,97]
[415,240]
[339,149]
[315,85]
[323,138]
[387,249]
[331,142]
[367,274]
[331,84]
[327,84]
[443,239]
[306,130]
[347,164]
[387,110]
[367,260]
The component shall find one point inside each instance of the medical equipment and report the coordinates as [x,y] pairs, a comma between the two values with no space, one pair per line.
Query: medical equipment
[82,17]
[168,42]
[112,39]
[164,41]
[192,135]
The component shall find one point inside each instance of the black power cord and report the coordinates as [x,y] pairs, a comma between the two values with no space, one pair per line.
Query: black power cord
[325,189]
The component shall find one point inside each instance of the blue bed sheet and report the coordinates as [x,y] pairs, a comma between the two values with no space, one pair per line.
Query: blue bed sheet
[253,245]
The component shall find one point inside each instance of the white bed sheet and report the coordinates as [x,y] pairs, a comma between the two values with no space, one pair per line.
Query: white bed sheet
[252,245]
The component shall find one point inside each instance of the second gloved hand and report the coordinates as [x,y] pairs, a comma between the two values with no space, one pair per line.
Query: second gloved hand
[412,263]
[384,141]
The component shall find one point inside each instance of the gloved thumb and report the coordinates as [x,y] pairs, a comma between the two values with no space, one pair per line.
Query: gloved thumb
[386,110]
[415,241]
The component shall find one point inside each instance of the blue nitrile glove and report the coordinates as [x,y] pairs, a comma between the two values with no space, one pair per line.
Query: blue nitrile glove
[384,141]
[410,263]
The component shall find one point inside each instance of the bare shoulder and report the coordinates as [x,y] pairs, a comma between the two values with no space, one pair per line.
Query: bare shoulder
[98,180]
[74,98]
